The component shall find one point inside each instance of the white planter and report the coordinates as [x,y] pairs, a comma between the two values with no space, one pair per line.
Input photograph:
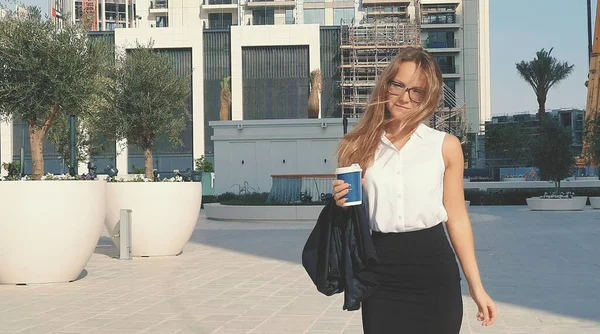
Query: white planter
[48,229]
[586,178]
[163,218]
[514,179]
[595,202]
[218,211]
[547,204]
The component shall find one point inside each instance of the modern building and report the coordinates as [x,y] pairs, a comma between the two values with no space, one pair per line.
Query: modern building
[269,60]
[566,117]
[455,31]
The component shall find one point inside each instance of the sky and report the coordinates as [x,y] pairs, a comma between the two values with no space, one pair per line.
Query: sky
[519,28]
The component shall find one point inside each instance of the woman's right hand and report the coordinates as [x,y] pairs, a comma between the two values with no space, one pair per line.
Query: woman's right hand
[340,189]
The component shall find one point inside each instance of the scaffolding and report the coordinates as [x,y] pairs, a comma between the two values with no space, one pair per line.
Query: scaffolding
[368,47]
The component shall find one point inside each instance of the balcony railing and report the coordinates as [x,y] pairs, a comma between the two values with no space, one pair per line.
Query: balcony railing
[449,69]
[439,19]
[441,44]
[220,2]
[159,4]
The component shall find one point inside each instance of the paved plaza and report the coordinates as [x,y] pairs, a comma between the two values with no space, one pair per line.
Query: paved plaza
[543,269]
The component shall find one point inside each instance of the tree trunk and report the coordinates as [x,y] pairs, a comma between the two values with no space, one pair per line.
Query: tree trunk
[541,109]
[557,187]
[36,139]
[313,103]
[148,163]
[225,101]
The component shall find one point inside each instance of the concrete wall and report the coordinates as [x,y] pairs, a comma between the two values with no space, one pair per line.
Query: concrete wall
[252,151]
[241,36]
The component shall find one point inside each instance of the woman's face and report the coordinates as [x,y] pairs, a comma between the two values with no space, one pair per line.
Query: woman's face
[406,90]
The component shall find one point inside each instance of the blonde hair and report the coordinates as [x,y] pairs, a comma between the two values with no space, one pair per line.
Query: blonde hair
[360,144]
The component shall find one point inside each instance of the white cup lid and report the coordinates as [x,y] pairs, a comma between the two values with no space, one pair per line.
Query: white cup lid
[351,169]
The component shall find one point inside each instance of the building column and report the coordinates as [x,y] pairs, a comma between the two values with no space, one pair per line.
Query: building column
[103,15]
[127,14]
[122,160]
[6,144]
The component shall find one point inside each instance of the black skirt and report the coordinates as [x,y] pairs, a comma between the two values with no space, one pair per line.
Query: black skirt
[419,280]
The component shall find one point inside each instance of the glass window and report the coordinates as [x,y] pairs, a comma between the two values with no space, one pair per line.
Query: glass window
[162,21]
[451,84]
[345,15]
[446,63]
[265,16]
[314,16]
[219,20]
[289,16]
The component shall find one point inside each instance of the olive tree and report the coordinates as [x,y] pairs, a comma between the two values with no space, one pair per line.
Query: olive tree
[150,100]
[47,71]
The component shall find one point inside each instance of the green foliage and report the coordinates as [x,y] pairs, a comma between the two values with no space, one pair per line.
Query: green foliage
[137,170]
[149,99]
[248,199]
[13,169]
[592,135]
[225,83]
[543,72]
[203,165]
[512,141]
[87,144]
[44,67]
[552,153]
[46,72]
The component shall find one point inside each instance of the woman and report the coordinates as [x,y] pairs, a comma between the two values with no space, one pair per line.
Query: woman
[413,183]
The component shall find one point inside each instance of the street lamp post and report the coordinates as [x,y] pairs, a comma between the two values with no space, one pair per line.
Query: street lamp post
[72,146]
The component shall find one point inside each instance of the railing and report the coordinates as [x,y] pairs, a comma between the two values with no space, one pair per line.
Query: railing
[159,4]
[300,188]
[220,2]
[439,19]
[449,69]
[441,44]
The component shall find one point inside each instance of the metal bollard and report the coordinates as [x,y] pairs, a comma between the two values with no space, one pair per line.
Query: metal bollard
[125,235]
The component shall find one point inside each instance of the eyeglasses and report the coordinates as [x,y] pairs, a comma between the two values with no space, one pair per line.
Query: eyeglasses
[416,95]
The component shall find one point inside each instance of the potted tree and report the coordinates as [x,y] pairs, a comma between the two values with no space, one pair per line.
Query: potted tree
[150,100]
[552,154]
[49,225]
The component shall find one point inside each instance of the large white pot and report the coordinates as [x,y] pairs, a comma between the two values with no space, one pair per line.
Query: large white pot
[48,229]
[164,214]
[566,204]
[595,202]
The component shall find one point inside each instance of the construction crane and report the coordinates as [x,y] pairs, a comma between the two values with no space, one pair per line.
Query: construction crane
[593,85]
[90,14]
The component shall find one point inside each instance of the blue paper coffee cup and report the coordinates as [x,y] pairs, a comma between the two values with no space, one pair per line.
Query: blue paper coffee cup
[351,175]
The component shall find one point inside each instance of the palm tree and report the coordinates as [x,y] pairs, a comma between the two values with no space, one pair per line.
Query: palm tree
[543,72]
[316,83]
[225,99]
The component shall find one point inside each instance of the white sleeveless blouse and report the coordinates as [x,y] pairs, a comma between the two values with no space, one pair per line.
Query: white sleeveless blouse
[404,188]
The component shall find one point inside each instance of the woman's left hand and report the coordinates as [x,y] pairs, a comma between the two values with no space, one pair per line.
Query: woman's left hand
[488,312]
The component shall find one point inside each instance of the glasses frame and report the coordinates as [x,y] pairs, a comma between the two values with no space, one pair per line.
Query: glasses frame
[409,90]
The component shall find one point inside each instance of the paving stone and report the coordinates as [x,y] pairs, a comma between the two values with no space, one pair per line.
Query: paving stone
[542,269]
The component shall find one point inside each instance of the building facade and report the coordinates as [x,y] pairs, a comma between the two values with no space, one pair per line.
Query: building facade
[456,32]
[269,59]
[566,118]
